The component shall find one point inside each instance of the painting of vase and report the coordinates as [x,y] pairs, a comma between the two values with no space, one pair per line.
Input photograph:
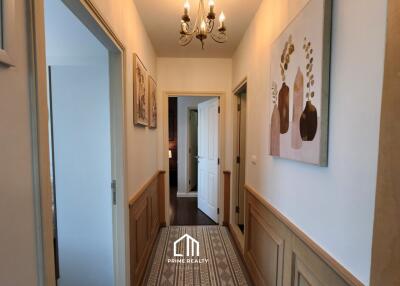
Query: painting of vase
[298,93]
[308,122]
[275,132]
[283,106]
[299,66]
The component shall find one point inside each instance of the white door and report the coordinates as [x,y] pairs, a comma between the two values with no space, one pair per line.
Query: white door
[208,169]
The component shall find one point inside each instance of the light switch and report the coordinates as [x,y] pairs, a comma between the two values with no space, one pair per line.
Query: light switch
[254,159]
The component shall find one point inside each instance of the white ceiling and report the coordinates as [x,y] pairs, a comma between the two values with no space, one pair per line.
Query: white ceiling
[162,21]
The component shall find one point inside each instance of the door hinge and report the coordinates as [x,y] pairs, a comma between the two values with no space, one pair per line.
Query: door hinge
[237,209]
[189,182]
[219,109]
[217,210]
[114,191]
[238,160]
[238,107]
[218,161]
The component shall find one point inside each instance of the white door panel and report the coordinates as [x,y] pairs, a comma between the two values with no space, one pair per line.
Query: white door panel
[208,169]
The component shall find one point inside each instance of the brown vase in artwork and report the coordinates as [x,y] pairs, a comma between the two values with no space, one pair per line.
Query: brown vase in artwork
[308,122]
[298,92]
[283,105]
[275,132]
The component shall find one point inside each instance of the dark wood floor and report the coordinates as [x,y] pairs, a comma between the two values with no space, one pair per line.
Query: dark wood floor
[184,211]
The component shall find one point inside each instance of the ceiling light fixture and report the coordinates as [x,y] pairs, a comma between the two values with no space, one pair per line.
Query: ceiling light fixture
[203,26]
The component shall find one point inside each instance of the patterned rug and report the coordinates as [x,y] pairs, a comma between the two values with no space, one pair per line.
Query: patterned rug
[217,262]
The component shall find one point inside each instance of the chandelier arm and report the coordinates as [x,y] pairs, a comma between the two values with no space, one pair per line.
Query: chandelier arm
[211,24]
[216,39]
[195,28]
[184,44]
[192,32]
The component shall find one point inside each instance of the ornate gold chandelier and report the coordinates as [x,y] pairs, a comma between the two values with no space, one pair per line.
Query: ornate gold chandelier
[203,26]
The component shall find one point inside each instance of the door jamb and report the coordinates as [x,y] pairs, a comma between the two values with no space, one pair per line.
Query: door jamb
[221,143]
[91,17]
[188,165]
[234,175]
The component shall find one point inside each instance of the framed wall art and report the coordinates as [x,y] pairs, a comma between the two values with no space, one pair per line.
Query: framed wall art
[140,98]
[300,64]
[152,103]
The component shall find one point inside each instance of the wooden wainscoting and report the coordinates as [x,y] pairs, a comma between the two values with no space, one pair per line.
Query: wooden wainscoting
[277,253]
[146,215]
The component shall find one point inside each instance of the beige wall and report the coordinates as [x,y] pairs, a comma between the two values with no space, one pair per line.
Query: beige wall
[196,75]
[333,205]
[141,143]
[18,264]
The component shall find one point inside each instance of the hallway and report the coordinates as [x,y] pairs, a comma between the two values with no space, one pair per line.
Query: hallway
[199,142]
[218,263]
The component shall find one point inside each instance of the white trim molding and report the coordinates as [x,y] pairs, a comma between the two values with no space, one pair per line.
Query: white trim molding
[186,195]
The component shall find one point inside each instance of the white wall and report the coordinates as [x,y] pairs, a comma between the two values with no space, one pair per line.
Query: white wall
[68,41]
[82,158]
[333,205]
[18,263]
[184,103]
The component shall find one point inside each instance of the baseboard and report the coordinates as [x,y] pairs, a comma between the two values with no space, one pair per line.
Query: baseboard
[187,195]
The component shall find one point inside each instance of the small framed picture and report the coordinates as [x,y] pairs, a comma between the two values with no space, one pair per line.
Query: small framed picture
[140,98]
[152,103]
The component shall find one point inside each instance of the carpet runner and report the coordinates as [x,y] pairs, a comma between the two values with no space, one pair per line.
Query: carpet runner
[217,262]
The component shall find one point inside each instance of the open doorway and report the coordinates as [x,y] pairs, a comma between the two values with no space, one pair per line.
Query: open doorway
[240,152]
[193,160]
[85,99]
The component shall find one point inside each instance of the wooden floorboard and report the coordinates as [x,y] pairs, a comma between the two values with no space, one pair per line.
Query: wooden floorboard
[184,211]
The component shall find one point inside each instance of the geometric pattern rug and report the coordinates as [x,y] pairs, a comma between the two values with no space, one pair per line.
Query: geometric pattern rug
[204,255]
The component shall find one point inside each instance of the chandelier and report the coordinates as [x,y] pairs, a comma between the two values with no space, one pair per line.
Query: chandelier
[203,26]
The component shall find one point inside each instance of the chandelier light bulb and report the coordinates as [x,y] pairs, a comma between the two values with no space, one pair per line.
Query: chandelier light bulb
[203,27]
[211,3]
[222,17]
[186,7]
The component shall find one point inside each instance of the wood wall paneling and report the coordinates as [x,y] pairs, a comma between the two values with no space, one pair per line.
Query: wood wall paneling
[265,258]
[385,269]
[146,214]
[278,253]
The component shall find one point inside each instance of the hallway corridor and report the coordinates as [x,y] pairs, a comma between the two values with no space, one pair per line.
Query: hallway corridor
[199,142]
[218,262]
